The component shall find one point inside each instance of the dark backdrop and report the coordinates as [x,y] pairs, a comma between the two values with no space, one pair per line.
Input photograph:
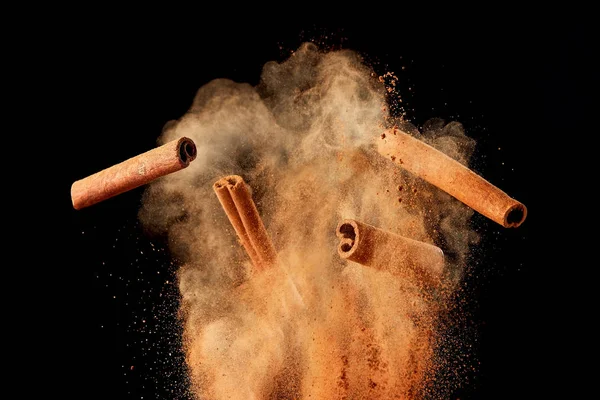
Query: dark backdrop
[504,81]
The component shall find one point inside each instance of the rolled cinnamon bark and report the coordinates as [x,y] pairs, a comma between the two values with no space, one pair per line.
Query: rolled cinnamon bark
[132,173]
[452,177]
[243,215]
[386,251]
[220,188]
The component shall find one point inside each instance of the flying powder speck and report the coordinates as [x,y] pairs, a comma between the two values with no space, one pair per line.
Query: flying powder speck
[315,326]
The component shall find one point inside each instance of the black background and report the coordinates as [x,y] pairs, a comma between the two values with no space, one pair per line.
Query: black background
[512,84]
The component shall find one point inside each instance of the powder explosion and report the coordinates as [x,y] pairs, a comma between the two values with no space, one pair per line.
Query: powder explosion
[314,325]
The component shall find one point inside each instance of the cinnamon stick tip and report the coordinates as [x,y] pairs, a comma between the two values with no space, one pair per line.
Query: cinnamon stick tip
[186,149]
[348,232]
[228,181]
[515,215]
[74,196]
[221,183]
[234,181]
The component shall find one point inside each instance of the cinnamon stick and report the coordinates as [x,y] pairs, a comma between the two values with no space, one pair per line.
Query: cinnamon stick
[228,205]
[452,177]
[132,173]
[387,251]
[237,202]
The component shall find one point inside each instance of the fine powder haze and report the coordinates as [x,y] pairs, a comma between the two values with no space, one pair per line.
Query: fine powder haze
[317,326]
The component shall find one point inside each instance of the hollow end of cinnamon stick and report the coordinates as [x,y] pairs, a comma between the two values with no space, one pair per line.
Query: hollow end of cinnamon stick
[515,216]
[231,182]
[235,181]
[186,150]
[220,184]
[349,235]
